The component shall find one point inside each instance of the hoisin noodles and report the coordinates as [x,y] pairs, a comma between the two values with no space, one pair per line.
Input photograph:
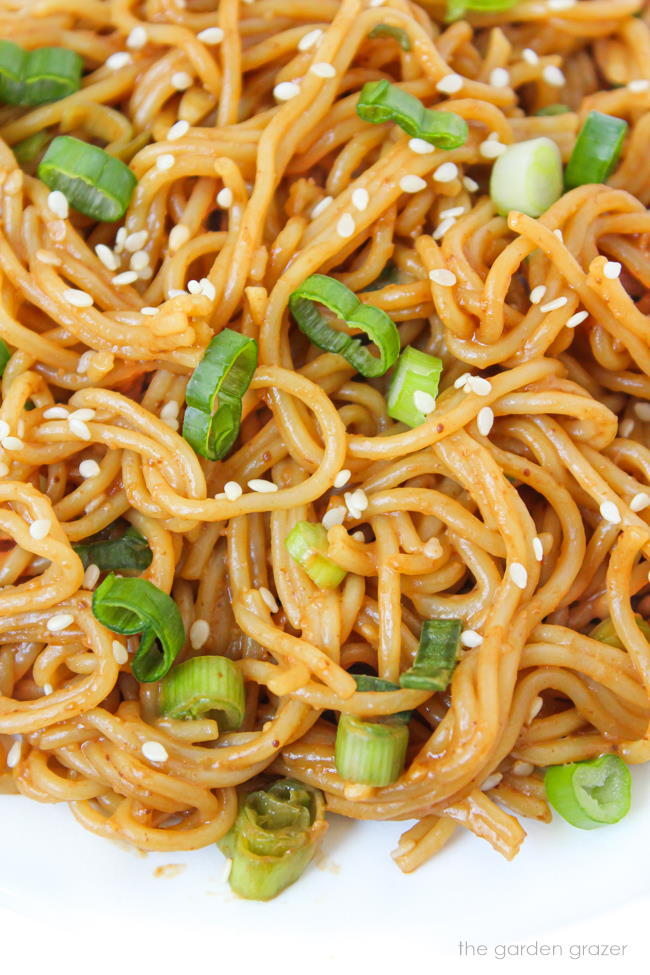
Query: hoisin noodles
[399,614]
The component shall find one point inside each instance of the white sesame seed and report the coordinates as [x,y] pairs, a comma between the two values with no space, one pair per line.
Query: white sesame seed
[269,599]
[554,304]
[310,39]
[485,420]
[450,84]
[470,638]
[424,402]
[443,277]
[84,362]
[12,443]
[522,768]
[54,413]
[537,294]
[232,490]
[479,385]
[126,277]
[558,234]
[285,91]
[40,528]
[345,226]
[139,261]
[199,633]
[178,130]
[411,183]
[530,56]
[165,161]
[47,689]
[194,287]
[358,536]
[120,653]
[136,240]
[322,69]
[535,708]
[80,299]
[470,184]
[560,4]
[118,60]
[149,310]
[58,204]
[576,319]
[499,78]
[642,410]
[91,576]
[452,212]
[79,429]
[137,38]
[492,149]
[170,409]
[360,199]
[89,468]
[446,172]
[609,512]
[175,293]
[639,84]
[518,575]
[626,426]
[640,501]
[443,227]
[59,622]
[262,486]
[421,147]
[462,380]
[356,502]
[612,270]
[178,236]
[211,35]
[225,197]
[107,257]
[491,782]
[552,75]
[153,751]
[334,516]
[320,207]
[538,549]
[181,80]
[14,753]
[342,478]
[120,238]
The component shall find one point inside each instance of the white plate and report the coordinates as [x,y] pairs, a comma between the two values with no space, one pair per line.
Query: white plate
[49,864]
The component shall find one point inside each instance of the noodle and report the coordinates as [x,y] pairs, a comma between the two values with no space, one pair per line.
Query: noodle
[248,196]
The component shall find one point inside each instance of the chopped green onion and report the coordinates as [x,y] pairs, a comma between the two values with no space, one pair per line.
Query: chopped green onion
[201,686]
[130,552]
[596,151]
[45,74]
[373,321]
[129,606]
[605,632]
[94,183]
[306,543]
[388,275]
[556,109]
[5,356]
[214,394]
[457,8]
[273,838]
[436,657]
[380,101]
[415,373]
[368,682]
[527,177]
[370,752]
[30,148]
[397,33]
[592,793]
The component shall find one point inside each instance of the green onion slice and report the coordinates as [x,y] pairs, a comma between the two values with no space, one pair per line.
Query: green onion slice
[436,657]
[204,686]
[306,543]
[606,633]
[5,356]
[527,177]
[45,74]
[457,8]
[397,33]
[592,793]
[129,552]
[129,606]
[344,303]
[370,752]
[415,372]
[30,148]
[94,183]
[214,394]
[596,151]
[380,101]
[368,682]
[273,839]
[555,109]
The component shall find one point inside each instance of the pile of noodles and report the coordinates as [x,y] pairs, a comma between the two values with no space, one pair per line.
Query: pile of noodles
[571,408]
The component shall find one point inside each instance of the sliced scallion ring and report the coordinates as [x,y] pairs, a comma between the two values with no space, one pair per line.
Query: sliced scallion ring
[30,148]
[203,686]
[130,552]
[457,8]
[380,101]
[596,151]
[370,752]
[36,77]
[415,372]
[93,182]
[592,793]
[527,177]
[436,657]
[555,109]
[306,543]
[397,33]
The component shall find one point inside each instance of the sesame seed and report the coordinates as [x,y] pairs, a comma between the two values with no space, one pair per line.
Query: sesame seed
[153,751]
[609,512]
[424,402]
[165,161]
[491,781]
[485,420]
[285,91]
[360,199]
[518,575]
[492,149]
[535,708]
[345,226]
[522,768]
[194,287]
[530,56]
[40,528]
[12,443]
[411,183]
[80,299]
[499,78]
[211,35]
[558,234]
[538,549]
[452,212]
[47,689]
[225,197]
[137,38]
[358,536]
[612,270]
[170,409]
[335,516]
[537,294]
[181,80]
[262,486]
[120,238]
[136,240]
[576,319]
[126,277]
[356,502]
[560,4]
[639,84]
[14,753]
[479,385]
[421,147]
[107,257]
[470,638]
[626,426]
[175,293]
[640,501]
[443,227]
[642,410]
[79,429]
[178,236]
[310,39]
[342,478]
[47,257]
[120,652]
[89,468]
[441,276]
[118,60]
[139,261]
[552,75]
[59,622]
[462,380]
[233,490]
[322,69]
[446,172]
[470,184]
[58,204]
[54,413]
[91,576]
[269,599]
[321,206]
[450,84]
[149,310]
[199,633]
[554,304]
